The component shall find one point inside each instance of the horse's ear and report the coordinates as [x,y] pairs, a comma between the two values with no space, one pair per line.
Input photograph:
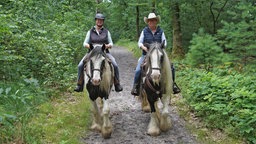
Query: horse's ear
[103,47]
[162,44]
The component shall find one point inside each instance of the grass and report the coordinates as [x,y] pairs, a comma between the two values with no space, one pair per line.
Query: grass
[63,120]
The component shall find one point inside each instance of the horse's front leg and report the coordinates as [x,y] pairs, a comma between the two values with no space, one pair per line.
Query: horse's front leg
[96,123]
[153,126]
[144,101]
[165,121]
[107,125]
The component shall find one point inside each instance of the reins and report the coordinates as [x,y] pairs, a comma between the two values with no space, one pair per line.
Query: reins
[148,83]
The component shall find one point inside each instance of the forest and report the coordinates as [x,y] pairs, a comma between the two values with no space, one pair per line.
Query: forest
[212,44]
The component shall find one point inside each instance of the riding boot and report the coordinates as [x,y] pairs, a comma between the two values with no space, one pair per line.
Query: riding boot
[118,87]
[80,84]
[135,89]
[176,89]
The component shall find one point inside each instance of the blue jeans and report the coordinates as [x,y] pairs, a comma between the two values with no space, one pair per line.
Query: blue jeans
[138,70]
[81,67]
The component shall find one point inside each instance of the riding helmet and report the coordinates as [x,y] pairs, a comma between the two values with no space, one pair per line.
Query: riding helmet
[99,16]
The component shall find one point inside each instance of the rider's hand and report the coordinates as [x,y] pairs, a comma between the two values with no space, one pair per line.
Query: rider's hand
[87,46]
[144,48]
[108,46]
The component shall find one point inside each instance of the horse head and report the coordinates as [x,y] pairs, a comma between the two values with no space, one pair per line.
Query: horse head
[155,59]
[96,63]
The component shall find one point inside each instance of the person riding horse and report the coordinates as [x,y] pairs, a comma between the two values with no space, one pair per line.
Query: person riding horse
[150,34]
[98,35]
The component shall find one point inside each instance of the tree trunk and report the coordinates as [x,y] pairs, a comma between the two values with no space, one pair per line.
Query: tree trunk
[154,6]
[98,2]
[177,50]
[137,22]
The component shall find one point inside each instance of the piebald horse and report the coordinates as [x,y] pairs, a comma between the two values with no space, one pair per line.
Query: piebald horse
[99,78]
[156,83]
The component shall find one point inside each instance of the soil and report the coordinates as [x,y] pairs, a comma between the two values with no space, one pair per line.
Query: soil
[128,120]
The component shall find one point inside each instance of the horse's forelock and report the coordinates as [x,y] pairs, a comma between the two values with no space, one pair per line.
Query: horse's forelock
[97,51]
[152,47]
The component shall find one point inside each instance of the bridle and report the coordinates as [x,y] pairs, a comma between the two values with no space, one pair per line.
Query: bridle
[92,69]
[148,80]
[161,60]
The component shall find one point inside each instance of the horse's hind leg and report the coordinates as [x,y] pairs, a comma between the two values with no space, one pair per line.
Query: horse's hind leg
[107,125]
[96,123]
[165,121]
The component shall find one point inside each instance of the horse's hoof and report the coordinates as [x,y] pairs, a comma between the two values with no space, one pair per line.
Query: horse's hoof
[153,132]
[96,127]
[146,109]
[165,123]
[106,132]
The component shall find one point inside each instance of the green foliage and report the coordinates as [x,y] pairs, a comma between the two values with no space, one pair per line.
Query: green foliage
[225,99]
[17,103]
[41,44]
[204,51]
[238,37]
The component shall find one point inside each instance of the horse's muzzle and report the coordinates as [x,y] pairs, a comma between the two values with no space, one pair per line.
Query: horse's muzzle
[95,81]
[155,76]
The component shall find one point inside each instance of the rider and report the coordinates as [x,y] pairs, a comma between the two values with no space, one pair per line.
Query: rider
[98,35]
[151,33]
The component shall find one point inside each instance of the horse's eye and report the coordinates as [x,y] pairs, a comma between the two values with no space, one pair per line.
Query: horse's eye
[102,65]
[161,59]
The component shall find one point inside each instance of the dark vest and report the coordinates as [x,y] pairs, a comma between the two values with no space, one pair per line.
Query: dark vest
[102,38]
[149,37]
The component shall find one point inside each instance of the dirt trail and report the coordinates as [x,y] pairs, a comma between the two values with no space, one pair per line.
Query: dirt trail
[129,121]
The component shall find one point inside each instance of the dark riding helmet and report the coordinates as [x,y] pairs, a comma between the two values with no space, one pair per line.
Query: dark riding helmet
[99,16]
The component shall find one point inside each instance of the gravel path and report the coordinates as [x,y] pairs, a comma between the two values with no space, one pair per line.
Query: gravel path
[129,121]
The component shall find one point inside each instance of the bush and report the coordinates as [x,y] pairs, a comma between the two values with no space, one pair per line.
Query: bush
[204,51]
[224,99]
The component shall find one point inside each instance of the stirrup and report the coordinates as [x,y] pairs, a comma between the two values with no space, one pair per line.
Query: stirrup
[118,88]
[176,89]
[79,88]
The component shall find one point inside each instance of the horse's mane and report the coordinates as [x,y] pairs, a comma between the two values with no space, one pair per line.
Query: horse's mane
[96,51]
[166,73]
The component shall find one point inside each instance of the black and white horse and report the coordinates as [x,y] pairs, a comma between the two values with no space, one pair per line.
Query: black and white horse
[157,84]
[99,78]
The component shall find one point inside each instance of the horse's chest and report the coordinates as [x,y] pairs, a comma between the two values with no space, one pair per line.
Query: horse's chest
[153,91]
[95,91]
